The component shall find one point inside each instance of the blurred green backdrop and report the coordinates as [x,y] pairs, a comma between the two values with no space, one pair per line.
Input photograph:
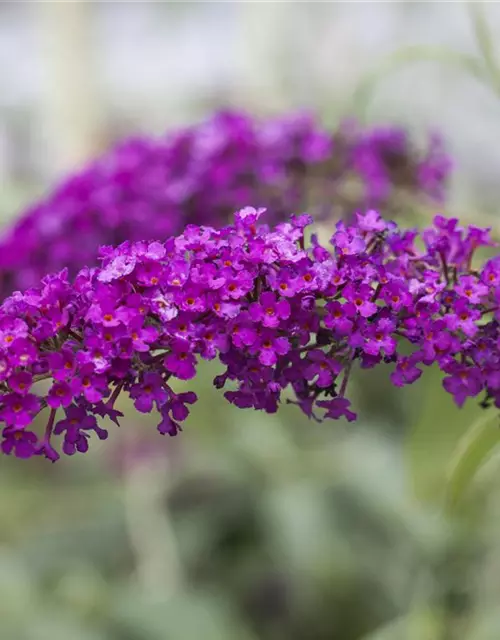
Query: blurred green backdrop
[250,526]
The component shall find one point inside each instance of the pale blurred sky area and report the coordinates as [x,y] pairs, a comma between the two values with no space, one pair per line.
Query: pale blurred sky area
[77,75]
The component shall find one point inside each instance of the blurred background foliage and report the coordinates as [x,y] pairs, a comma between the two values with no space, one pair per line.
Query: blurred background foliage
[250,526]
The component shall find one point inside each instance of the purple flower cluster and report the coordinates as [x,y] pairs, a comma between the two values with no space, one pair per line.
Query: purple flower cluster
[202,174]
[288,320]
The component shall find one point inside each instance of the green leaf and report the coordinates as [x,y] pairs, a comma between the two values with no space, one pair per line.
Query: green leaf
[438,427]
[421,622]
[472,452]
[186,614]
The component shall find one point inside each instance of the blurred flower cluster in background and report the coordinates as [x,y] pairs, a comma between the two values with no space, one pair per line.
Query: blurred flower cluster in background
[203,174]
[249,526]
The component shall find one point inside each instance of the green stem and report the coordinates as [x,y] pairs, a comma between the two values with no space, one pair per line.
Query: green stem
[485,43]
[418,53]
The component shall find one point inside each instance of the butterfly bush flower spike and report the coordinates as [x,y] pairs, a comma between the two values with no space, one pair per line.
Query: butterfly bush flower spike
[288,321]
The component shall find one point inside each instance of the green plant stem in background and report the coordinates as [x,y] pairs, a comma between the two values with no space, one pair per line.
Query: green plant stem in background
[485,44]
[400,59]
[152,540]
[484,68]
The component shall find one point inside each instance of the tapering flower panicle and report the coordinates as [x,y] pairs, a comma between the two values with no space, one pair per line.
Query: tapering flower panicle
[288,322]
[202,174]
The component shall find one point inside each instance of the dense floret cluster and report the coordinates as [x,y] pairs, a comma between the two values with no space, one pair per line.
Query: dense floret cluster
[286,317]
[202,174]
